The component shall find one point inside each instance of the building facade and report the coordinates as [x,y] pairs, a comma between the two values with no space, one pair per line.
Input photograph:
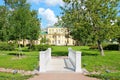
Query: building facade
[58,36]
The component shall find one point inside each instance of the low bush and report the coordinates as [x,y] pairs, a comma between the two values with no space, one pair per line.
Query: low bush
[7,46]
[106,47]
[40,47]
[111,47]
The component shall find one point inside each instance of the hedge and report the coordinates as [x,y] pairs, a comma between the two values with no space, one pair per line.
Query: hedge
[7,46]
[107,47]
[40,47]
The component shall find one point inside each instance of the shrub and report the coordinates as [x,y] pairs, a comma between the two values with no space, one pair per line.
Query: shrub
[111,47]
[7,46]
[107,47]
[40,47]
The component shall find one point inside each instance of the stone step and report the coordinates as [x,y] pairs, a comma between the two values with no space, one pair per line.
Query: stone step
[59,65]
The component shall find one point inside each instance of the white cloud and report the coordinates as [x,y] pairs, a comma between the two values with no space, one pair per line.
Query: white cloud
[49,16]
[34,1]
[54,2]
[48,2]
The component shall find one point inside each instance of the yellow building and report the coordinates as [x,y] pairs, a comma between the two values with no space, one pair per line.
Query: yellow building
[58,36]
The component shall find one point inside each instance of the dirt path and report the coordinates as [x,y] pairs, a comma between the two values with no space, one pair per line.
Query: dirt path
[61,76]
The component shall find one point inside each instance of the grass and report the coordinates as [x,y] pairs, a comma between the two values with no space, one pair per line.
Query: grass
[106,76]
[91,60]
[9,76]
[29,61]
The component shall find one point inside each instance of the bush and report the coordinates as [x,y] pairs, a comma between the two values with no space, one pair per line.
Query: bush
[40,47]
[7,46]
[107,47]
[111,47]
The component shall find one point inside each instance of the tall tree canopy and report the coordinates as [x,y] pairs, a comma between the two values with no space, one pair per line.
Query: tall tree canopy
[23,21]
[18,21]
[4,24]
[90,20]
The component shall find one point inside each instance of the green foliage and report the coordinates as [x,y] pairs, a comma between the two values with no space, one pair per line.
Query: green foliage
[4,24]
[7,46]
[18,22]
[41,47]
[90,20]
[107,47]
[111,47]
[44,40]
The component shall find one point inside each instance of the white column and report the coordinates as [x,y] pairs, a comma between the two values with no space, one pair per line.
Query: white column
[42,62]
[69,49]
[49,53]
[78,62]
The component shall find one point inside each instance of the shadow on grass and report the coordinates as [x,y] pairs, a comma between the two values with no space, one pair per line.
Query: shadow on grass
[89,54]
[15,54]
[61,53]
[27,50]
[88,49]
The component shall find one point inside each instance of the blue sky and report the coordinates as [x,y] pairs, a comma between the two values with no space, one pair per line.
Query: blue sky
[47,10]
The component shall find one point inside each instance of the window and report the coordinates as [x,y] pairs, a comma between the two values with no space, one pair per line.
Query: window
[53,42]
[58,41]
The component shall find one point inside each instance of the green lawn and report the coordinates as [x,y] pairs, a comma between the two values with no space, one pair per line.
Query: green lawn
[9,76]
[91,60]
[29,61]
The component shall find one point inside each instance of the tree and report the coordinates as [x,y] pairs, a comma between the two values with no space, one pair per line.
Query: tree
[89,20]
[44,40]
[4,24]
[24,23]
[34,27]
[117,32]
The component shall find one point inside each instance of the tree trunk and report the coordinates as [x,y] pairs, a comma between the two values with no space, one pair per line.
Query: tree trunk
[119,44]
[100,48]
[30,44]
[67,42]
[24,45]
[19,49]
